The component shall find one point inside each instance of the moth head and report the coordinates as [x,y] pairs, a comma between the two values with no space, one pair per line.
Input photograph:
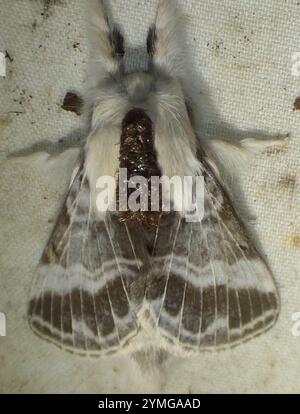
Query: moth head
[138,86]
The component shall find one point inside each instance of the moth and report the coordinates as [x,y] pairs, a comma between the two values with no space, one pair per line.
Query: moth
[110,282]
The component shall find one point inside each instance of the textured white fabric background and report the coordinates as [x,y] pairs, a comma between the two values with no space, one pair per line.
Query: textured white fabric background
[239,73]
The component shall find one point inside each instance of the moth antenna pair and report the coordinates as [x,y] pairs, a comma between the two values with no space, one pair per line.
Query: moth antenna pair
[108,46]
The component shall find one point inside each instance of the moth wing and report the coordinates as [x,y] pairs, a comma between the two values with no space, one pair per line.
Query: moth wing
[209,287]
[82,298]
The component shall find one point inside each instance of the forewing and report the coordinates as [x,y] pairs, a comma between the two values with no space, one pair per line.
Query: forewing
[209,288]
[83,296]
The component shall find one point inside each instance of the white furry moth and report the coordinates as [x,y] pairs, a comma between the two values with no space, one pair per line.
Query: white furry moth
[105,281]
